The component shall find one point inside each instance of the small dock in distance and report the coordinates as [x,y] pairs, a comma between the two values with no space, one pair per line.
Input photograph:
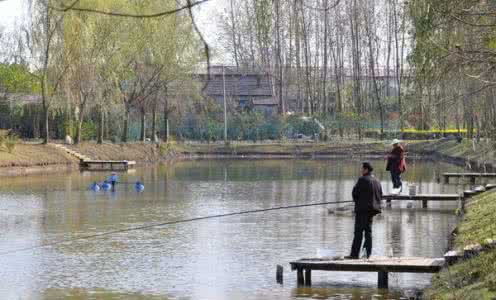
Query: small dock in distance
[107,165]
[423,197]
[471,176]
[381,265]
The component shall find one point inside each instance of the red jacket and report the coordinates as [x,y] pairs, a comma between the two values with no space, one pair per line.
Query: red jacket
[396,160]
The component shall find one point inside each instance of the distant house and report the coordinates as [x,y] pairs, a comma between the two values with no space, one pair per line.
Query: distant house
[243,89]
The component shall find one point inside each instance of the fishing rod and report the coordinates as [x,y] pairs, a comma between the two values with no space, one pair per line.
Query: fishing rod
[156,225]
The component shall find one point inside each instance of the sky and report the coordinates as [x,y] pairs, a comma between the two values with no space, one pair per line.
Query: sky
[9,11]
[206,15]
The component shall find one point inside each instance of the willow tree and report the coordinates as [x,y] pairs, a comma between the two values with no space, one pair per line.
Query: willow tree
[45,44]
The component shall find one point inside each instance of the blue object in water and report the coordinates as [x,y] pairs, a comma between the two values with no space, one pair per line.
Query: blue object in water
[106,186]
[113,178]
[95,187]
[139,187]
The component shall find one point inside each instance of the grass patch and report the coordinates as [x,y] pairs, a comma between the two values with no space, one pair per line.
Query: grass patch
[473,278]
[285,148]
[479,222]
[485,151]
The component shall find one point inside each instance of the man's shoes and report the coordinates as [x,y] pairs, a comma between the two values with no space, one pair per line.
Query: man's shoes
[350,257]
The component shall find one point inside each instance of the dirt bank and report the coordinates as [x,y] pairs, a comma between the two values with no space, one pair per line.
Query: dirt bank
[34,159]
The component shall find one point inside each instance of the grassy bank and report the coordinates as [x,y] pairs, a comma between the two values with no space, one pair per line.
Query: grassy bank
[330,148]
[474,278]
[474,155]
[151,152]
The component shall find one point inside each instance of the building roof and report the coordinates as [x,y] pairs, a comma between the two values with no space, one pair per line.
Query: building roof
[238,84]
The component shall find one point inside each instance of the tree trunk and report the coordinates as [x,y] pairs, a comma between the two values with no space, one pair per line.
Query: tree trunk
[166,124]
[154,123]
[126,124]
[46,137]
[46,131]
[77,140]
[143,125]
[101,125]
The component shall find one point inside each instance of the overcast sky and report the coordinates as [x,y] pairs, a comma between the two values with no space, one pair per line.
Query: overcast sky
[207,15]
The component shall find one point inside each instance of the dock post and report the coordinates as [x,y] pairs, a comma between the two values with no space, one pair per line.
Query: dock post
[299,276]
[472,180]
[308,277]
[382,280]
[446,179]
[424,203]
[388,202]
[279,274]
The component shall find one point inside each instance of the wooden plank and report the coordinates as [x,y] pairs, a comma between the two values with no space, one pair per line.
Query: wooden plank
[382,280]
[419,197]
[308,277]
[375,264]
[469,174]
[299,277]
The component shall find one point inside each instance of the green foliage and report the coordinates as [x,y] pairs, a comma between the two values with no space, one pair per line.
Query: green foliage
[88,131]
[300,124]
[15,78]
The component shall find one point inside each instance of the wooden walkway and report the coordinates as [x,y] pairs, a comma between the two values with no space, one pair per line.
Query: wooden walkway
[471,176]
[423,197]
[107,165]
[382,265]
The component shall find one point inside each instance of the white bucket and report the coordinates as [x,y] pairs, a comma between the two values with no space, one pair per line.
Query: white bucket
[325,253]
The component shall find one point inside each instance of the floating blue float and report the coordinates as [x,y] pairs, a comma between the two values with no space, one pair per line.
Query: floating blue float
[106,186]
[140,187]
[95,187]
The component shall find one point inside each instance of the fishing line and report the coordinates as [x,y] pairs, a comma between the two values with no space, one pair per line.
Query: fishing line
[143,227]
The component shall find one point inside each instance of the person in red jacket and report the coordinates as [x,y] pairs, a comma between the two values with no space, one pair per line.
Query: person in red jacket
[396,164]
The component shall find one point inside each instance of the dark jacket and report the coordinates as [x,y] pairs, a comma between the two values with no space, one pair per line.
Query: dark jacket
[367,195]
[396,160]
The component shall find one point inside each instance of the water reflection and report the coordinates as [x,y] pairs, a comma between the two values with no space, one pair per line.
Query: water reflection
[229,258]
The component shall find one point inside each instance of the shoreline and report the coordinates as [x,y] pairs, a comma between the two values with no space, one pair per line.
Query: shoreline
[146,154]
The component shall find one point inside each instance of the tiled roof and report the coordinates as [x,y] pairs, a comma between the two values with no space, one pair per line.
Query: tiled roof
[239,85]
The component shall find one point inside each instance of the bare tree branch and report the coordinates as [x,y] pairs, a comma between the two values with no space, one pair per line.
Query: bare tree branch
[128,15]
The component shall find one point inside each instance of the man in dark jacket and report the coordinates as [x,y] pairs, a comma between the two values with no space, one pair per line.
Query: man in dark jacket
[367,195]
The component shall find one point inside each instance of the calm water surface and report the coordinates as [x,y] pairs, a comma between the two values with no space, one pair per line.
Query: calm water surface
[227,258]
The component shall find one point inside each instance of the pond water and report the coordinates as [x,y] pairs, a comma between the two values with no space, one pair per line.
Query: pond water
[225,258]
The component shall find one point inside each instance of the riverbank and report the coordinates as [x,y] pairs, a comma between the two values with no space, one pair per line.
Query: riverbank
[473,278]
[36,158]
[477,156]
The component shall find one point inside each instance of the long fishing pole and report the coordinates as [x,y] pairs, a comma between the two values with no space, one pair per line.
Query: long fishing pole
[143,227]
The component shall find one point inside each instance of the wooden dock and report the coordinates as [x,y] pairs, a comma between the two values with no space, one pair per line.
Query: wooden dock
[381,265]
[471,176]
[107,165]
[423,197]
